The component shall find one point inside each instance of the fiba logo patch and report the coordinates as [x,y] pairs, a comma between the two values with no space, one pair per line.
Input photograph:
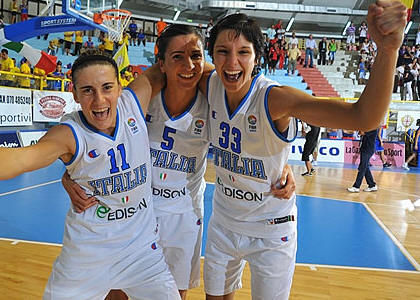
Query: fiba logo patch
[252,123]
[199,124]
[131,122]
[93,154]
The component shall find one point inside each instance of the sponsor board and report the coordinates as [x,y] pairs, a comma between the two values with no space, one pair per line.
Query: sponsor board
[328,150]
[9,139]
[31,137]
[394,153]
[15,107]
[50,106]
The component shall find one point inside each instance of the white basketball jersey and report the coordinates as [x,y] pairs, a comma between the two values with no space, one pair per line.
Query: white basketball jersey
[116,170]
[178,149]
[249,155]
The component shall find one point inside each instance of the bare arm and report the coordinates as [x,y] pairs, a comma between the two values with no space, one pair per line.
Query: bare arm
[202,85]
[57,142]
[386,24]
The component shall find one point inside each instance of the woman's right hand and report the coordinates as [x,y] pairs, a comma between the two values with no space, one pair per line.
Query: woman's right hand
[77,195]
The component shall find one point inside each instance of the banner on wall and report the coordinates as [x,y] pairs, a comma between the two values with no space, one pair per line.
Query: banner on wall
[15,107]
[407,120]
[394,153]
[9,139]
[31,137]
[328,150]
[50,106]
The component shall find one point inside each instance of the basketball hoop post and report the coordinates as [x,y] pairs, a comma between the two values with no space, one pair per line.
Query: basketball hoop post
[115,20]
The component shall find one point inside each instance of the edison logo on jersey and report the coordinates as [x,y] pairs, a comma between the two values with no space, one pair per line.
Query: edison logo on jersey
[169,193]
[104,212]
[237,193]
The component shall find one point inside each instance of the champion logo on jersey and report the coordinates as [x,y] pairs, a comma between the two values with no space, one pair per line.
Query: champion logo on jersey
[148,118]
[284,238]
[163,176]
[124,199]
[92,153]
[132,124]
[213,114]
[231,178]
[199,222]
[153,246]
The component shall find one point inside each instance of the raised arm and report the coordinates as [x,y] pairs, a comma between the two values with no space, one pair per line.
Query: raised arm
[58,142]
[386,20]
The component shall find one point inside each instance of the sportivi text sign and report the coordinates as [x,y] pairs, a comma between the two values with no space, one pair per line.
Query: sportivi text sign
[15,107]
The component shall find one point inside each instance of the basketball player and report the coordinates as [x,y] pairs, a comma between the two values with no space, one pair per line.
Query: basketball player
[103,247]
[177,122]
[252,122]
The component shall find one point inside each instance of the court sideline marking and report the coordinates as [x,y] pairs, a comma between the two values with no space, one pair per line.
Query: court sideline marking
[30,187]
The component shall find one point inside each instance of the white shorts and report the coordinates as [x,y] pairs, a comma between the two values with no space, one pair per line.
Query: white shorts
[141,277]
[271,261]
[180,238]
[351,39]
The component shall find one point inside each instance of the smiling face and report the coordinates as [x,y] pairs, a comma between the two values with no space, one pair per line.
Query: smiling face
[97,90]
[183,61]
[234,59]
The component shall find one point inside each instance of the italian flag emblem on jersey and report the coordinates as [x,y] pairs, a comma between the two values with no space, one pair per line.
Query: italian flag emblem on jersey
[163,176]
[124,199]
[232,178]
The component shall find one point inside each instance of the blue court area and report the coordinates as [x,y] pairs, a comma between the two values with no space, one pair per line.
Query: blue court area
[330,232]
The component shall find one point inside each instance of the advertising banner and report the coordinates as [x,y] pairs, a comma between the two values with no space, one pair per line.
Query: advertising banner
[328,150]
[31,137]
[15,107]
[394,153]
[407,120]
[50,106]
[9,139]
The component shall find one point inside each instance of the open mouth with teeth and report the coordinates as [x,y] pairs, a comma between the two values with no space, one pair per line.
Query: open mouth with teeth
[232,76]
[101,114]
[186,76]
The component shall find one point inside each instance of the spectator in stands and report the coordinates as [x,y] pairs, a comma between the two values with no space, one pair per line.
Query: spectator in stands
[310,46]
[362,71]
[207,35]
[108,46]
[415,143]
[7,65]
[367,149]
[15,71]
[365,45]
[68,41]
[78,42]
[293,54]
[41,82]
[414,69]
[57,85]
[311,134]
[89,44]
[24,11]
[363,31]
[279,29]
[160,26]
[347,134]
[202,31]
[273,58]
[141,38]
[271,32]
[332,133]
[351,36]
[293,40]
[418,36]
[322,48]
[379,148]
[51,50]
[25,82]
[14,11]
[132,28]
[407,81]
[332,48]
